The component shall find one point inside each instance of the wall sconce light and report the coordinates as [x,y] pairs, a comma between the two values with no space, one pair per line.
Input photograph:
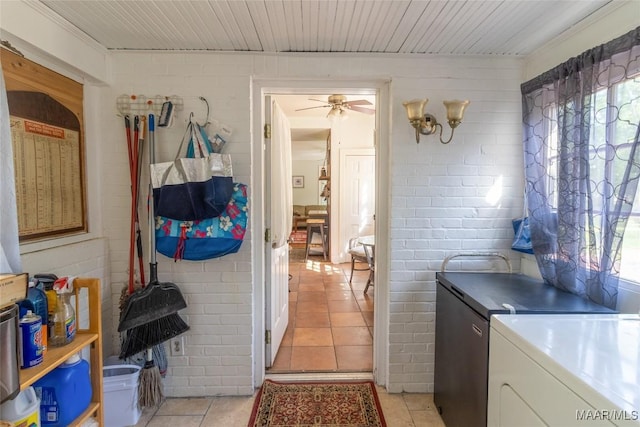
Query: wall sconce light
[426,124]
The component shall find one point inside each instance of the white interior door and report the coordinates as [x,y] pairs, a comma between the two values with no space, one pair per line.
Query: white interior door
[278,217]
[358,194]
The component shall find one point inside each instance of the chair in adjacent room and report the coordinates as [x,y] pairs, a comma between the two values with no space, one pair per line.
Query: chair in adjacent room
[370,254]
[356,250]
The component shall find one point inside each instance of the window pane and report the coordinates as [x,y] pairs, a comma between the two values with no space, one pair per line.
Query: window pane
[628,102]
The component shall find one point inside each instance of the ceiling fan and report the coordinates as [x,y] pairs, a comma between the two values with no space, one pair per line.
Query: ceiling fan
[339,106]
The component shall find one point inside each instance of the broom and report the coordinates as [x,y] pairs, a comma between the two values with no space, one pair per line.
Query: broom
[150,316]
[135,151]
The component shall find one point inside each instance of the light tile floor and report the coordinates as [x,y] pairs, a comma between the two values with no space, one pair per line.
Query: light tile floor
[400,410]
[330,321]
[341,319]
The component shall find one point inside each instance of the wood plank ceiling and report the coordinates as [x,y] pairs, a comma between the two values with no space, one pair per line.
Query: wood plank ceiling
[473,27]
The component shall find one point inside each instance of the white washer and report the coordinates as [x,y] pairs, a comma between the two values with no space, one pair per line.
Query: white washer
[564,370]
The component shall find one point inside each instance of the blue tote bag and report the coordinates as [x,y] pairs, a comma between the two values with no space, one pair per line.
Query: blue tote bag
[196,187]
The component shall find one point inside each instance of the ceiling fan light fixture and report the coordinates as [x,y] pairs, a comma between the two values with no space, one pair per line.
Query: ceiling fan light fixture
[337,113]
[339,106]
[337,99]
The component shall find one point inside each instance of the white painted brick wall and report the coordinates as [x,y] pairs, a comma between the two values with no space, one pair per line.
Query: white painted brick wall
[437,192]
[218,347]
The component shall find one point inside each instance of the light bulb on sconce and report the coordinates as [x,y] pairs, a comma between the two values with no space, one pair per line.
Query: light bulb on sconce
[426,124]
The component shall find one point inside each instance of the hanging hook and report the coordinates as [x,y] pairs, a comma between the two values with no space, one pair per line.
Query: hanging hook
[203,99]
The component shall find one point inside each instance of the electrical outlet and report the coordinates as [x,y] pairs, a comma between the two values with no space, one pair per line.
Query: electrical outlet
[177,346]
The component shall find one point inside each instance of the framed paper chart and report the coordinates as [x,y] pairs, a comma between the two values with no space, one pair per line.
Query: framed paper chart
[45,117]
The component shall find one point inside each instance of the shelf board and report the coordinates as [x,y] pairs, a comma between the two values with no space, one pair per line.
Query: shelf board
[54,357]
[324,178]
[88,413]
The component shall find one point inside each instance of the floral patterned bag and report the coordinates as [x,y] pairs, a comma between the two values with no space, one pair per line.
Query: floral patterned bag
[208,238]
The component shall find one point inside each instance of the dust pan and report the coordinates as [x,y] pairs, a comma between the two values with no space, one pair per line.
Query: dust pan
[155,301]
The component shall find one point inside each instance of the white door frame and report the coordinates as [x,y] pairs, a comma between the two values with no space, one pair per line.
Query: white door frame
[260,87]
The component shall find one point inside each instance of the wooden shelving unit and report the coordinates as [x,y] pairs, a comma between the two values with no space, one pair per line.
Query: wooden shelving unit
[327,187]
[91,337]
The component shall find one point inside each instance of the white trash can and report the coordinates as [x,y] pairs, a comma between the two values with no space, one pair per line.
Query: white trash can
[120,385]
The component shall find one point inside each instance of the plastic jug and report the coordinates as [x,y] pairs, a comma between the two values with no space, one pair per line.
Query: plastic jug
[23,410]
[45,282]
[64,392]
[40,307]
[39,299]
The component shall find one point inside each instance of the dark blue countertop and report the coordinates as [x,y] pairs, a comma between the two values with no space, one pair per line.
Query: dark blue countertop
[487,292]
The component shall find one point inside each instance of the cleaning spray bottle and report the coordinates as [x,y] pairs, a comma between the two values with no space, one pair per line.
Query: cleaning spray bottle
[64,318]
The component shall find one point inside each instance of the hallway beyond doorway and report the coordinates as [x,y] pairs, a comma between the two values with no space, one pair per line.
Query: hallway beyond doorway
[330,322]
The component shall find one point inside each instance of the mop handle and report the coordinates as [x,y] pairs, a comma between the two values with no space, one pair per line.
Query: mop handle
[153,263]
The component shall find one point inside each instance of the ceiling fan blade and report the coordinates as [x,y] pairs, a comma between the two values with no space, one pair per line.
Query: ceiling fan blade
[358,102]
[310,108]
[362,110]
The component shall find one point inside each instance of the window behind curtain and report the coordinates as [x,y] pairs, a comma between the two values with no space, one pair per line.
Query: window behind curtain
[625,93]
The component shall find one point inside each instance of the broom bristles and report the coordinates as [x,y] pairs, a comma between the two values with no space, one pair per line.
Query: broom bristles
[150,386]
[153,333]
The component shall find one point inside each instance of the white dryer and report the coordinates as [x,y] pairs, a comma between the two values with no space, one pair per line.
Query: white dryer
[564,370]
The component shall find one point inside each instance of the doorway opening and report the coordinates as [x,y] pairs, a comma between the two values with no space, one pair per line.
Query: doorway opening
[331,317]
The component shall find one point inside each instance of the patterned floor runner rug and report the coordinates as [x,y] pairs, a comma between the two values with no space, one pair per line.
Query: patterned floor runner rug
[317,404]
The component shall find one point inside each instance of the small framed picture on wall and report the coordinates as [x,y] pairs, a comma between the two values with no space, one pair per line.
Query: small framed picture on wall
[298,182]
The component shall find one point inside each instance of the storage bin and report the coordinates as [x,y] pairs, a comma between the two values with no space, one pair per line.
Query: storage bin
[120,386]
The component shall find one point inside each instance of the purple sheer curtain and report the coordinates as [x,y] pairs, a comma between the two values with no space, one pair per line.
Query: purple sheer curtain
[582,165]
